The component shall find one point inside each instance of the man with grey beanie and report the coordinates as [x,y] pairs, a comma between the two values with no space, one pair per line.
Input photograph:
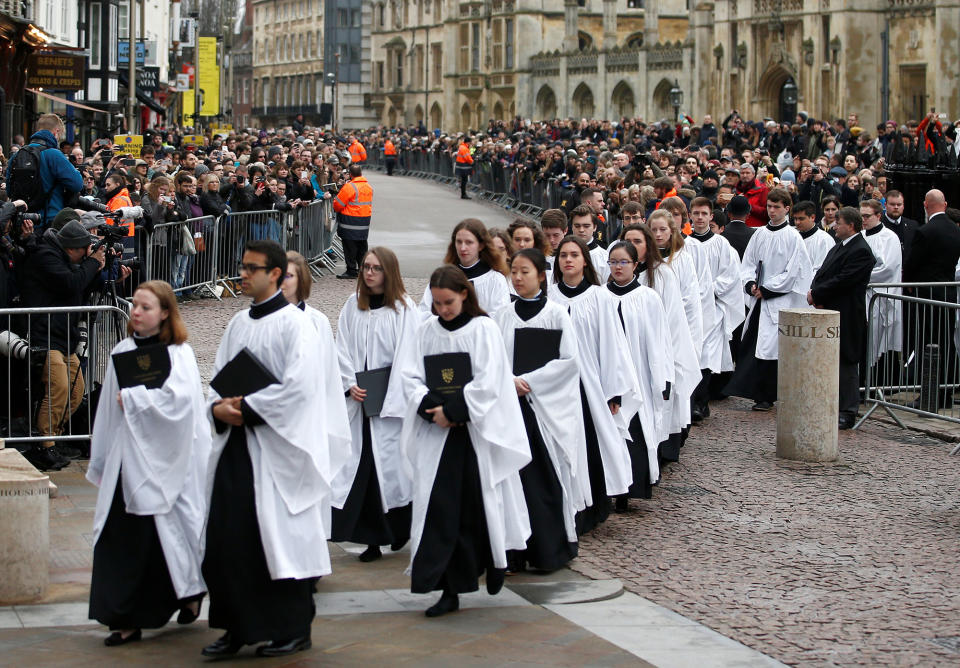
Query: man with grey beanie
[59,273]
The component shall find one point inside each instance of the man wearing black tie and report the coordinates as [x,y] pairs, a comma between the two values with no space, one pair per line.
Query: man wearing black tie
[894,219]
[841,285]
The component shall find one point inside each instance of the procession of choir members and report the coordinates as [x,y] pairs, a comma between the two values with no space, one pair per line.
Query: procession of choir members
[488,427]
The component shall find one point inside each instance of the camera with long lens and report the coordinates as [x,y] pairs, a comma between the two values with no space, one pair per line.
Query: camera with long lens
[13,219]
[15,347]
[112,241]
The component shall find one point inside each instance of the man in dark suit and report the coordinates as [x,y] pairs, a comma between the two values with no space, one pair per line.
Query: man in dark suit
[841,285]
[736,230]
[933,258]
[894,219]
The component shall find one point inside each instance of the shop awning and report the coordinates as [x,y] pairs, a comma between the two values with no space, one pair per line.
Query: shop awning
[69,103]
[143,98]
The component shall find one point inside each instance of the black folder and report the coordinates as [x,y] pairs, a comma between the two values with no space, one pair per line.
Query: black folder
[446,374]
[533,347]
[375,382]
[148,366]
[242,375]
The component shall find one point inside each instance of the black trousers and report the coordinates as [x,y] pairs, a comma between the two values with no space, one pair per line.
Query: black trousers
[849,389]
[464,176]
[701,393]
[353,252]
[391,162]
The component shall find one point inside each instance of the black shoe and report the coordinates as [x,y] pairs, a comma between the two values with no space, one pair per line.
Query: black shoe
[762,406]
[285,647]
[396,547]
[705,410]
[186,615]
[465,197]
[845,422]
[115,639]
[67,452]
[449,602]
[696,416]
[495,578]
[225,646]
[372,553]
[347,275]
[623,503]
[45,459]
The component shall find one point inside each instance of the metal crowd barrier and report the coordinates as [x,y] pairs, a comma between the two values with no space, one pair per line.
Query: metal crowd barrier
[506,185]
[219,243]
[31,413]
[912,362]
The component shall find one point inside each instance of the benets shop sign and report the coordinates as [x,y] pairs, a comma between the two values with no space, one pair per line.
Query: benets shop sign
[55,71]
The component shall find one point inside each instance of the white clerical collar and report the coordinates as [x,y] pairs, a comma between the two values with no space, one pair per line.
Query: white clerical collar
[471,266]
[848,239]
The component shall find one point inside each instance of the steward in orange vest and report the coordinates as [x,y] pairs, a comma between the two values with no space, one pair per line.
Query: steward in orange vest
[356,150]
[389,156]
[119,197]
[354,207]
[464,166]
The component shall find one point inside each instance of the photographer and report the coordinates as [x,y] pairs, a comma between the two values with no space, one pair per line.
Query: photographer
[16,241]
[59,273]
[41,164]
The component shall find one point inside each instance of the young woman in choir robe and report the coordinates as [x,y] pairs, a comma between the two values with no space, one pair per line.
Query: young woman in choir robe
[471,248]
[645,325]
[270,474]
[554,428]
[658,275]
[464,451]
[296,286]
[527,234]
[148,456]
[502,242]
[608,384]
[376,330]
[678,252]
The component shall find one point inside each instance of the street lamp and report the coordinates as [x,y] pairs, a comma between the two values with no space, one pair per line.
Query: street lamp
[332,82]
[789,92]
[676,100]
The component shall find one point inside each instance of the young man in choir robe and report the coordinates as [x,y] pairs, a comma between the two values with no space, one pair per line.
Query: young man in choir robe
[817,241]
[841,285]
[554,225]
[887,323]
[726,299]
[894,220]
[270,473]
[583,222]
[776,275]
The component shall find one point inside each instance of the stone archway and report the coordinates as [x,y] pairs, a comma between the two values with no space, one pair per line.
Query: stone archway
[622,101]
[660,102]
[769,100]
[583,106]
[465,117]
[546,104]
[436,116]
[392,117]
[497,111]
[418,114]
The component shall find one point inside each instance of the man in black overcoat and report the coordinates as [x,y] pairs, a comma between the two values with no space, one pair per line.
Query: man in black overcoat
[841,285]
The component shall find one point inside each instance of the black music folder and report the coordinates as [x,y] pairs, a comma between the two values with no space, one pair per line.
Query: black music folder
[148,366]
[242,375]
[533,347]
[447,373]
[375,382]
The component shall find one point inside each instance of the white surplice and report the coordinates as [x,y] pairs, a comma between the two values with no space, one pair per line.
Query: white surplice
[492,288]
[818,245]
[496,429]
[685,268]
[161,439]
[886,326]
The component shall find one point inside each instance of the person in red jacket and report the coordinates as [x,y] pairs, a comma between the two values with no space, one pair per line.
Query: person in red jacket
[751,188]
[464,166]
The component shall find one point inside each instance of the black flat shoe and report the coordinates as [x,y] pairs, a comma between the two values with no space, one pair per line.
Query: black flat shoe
[396,547]
[622,504]
[762,406]
[447,603]
[495,578]
[225,646]
[116,639]
[372,553]
[346,275]
[285,647]
[186,616]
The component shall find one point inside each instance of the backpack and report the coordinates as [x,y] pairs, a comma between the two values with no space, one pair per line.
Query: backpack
[23,178]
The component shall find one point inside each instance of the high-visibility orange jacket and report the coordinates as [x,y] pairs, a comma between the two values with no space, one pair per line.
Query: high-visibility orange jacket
[354,207]
[357,152]
[463,155]
[671,193]
[389,148]
[122,199]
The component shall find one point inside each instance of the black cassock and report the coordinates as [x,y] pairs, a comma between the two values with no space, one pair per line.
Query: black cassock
[599,509]
[244,600]
[753,378]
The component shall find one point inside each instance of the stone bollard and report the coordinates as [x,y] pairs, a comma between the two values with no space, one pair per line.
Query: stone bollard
[808,384]
[24,529]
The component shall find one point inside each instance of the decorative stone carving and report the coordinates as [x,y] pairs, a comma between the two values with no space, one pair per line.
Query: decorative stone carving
[807,49]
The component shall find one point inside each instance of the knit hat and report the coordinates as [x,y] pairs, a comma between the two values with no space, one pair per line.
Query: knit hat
[73,235]
[64,217]
[711,174]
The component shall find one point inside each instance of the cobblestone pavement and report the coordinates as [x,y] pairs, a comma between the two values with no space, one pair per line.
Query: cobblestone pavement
[853,563]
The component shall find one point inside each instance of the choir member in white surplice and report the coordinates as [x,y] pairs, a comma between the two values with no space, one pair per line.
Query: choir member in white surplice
[776,275]
[608,384]
[148,456]
[471,248]
[817,242]
[726,300]
[376,330]
[464,450]
[270,473]
[681,353]
[583,224]
[886,323]
[554,427]
[645,326]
